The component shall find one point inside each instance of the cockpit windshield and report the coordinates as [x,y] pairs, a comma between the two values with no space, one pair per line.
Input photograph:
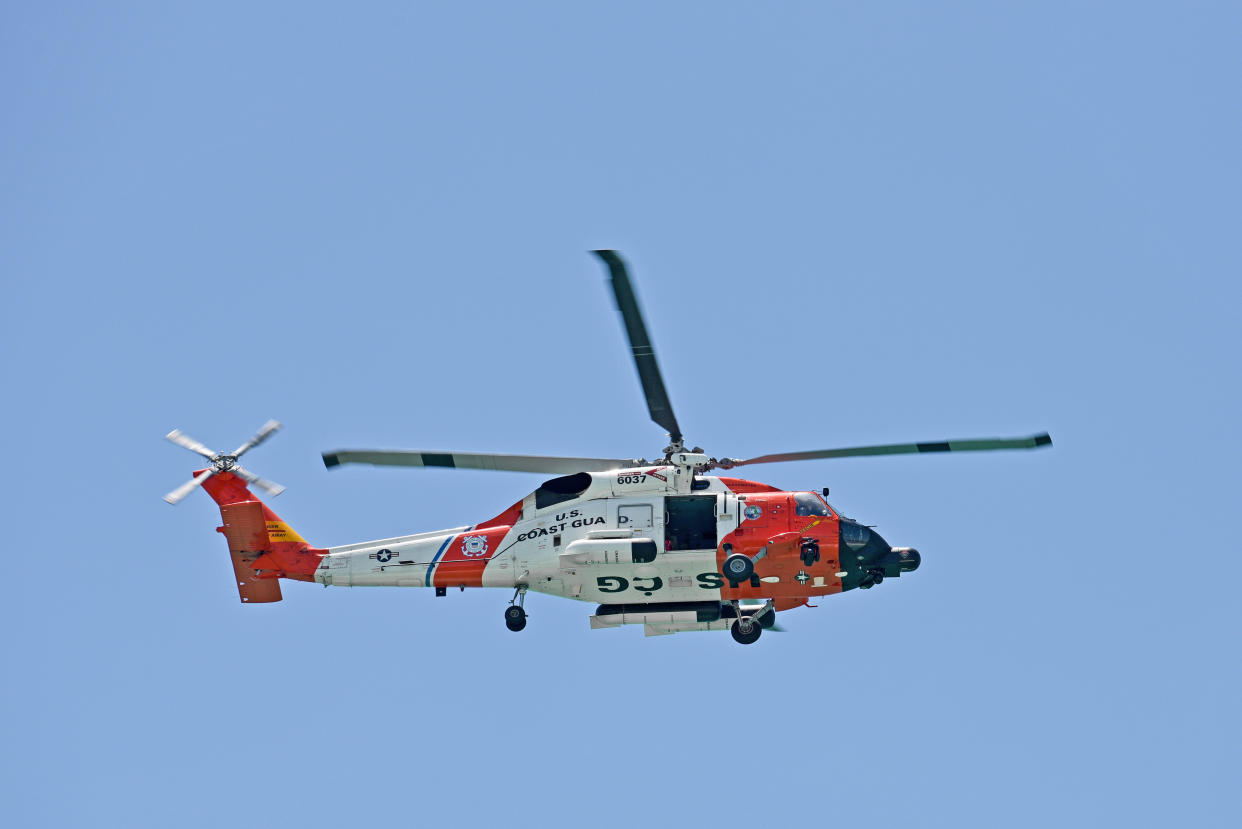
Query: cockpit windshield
[808,503]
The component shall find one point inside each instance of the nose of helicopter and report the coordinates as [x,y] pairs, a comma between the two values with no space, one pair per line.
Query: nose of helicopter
[907,558]
[870,557]
[861,543]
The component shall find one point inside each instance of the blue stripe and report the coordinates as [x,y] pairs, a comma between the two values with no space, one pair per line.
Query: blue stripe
[432,566]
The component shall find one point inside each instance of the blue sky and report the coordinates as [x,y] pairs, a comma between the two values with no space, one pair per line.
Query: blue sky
[848,223]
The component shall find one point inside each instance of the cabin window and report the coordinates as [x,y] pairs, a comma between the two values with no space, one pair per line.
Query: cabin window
[854,535]
[634,516]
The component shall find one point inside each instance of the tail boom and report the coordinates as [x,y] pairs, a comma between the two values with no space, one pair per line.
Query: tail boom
[263,547]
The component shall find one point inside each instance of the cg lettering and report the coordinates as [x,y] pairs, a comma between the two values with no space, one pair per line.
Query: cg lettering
[618,584]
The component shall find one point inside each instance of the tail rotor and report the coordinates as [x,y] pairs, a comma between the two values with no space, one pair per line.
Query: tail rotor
[223,462]
[265,431]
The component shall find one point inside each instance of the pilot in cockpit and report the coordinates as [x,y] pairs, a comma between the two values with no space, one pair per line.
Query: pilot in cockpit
[808,503]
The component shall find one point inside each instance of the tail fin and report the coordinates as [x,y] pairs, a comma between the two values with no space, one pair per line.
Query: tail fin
[264,548]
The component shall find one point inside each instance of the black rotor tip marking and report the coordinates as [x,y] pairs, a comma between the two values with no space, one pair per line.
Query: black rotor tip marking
[941,446]
[438,460]
[331,460]
[1044,439]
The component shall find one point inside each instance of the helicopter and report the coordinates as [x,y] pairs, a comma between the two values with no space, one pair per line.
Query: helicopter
[659,543]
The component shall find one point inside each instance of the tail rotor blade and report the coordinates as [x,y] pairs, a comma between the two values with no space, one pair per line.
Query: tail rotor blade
[188,487]
[265,431]
[185,441]
[267,486]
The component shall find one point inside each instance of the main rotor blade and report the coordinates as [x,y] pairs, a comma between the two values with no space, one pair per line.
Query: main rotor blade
[272,489]
[472,460]
[181,439]
[658,404]
[265,431]
[188,487]
[974,445]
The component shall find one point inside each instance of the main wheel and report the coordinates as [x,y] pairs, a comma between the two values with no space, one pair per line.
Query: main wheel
[767,620]
[750,636]
[515,618]
[738,567]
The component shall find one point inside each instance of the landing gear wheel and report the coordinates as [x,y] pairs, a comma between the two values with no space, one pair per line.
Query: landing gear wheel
[750,635]
[738,568]
[877,576]
[515,618]
[766,620]
[810,553]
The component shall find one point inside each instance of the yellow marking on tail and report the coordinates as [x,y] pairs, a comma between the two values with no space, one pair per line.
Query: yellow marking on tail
[280,531]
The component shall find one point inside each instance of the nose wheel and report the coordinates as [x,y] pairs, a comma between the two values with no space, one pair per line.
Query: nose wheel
[515,613]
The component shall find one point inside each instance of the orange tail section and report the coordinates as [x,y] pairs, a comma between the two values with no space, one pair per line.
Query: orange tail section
[264,548]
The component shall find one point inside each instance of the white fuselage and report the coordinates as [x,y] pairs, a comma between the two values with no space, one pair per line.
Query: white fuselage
[534,550]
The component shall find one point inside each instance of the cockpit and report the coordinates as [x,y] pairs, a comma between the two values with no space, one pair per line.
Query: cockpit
[808,503]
